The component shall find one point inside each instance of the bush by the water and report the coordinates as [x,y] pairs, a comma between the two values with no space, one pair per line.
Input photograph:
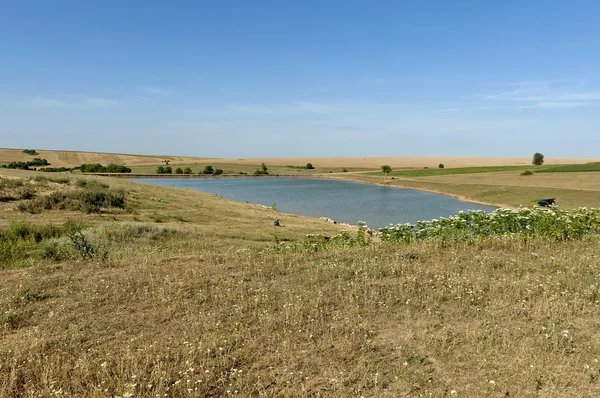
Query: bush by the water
[470,226]
[164,170]
[264,170]
[208,170]
[527,223]
[98,168]
[54,169]
[26,165]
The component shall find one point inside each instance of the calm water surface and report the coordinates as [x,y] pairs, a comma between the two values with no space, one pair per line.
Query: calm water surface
[343,201]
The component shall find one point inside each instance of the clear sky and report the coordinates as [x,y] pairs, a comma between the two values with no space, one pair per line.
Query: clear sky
[302,78]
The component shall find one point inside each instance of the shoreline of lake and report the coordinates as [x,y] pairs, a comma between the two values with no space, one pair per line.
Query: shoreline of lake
[459,197]
[344,177]
[342,200]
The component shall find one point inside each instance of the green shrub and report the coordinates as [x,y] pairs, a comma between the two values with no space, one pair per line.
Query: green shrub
[26,165]
[53,250]
[98,168]
[538,159]
[527,173]
[441,166]
[54,169]
[18,165]
[30,152]
[83,246]
[208,170]
[309,166]
[187,170]
[20,238]
[91,168]
[92,198]
[117,168]
[38,162]
[179,170]
[344,170]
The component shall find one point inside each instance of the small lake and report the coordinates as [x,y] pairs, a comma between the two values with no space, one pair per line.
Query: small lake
[343,201]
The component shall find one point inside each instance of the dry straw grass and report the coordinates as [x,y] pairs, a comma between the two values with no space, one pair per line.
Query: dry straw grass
[75,158]
[196,306]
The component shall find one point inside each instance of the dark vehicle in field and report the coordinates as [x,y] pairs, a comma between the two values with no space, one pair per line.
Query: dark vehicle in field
[547,202]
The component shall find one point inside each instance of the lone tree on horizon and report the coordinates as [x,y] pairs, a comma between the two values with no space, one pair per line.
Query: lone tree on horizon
[386,169]
[538,159]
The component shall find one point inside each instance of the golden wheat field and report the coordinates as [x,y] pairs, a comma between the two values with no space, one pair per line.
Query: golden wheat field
[74,158]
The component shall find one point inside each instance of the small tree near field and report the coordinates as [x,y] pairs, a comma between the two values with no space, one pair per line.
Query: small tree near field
[386,170]
[160,170]
[441,166]
[309,166]
[264,168]
[538,159]
[187,170]
[208,169]
[179,170]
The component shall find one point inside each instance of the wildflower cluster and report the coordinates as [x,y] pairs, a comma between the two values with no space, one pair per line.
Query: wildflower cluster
[317,242]
[538,222]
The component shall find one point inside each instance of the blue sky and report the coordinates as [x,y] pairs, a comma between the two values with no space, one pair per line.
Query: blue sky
[302,78]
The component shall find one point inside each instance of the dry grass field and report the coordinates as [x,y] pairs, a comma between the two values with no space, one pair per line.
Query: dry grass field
[178,294]
[73,158]
[399,162]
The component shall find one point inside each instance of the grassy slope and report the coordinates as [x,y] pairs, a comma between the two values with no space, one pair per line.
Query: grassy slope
[203,312]
[509,188]
[75,158]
